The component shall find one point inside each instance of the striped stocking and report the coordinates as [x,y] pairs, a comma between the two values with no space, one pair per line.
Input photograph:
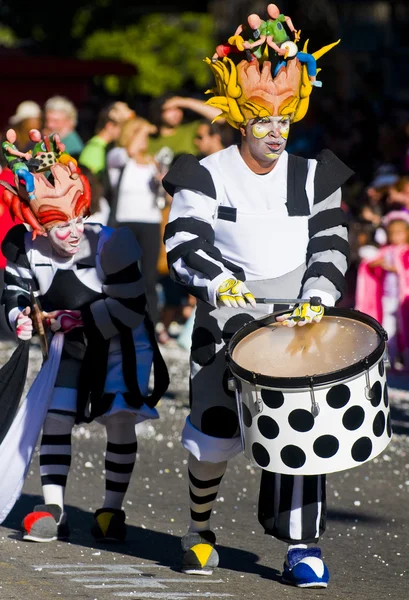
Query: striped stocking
[204,482]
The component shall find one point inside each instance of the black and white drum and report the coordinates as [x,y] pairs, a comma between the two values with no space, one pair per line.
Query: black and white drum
[312,399]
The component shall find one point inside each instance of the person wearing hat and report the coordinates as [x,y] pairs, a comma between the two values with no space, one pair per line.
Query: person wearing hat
[253,220]
[99,343]
[27,116]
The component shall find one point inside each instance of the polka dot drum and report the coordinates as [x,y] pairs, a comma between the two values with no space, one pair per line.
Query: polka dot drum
[313,422]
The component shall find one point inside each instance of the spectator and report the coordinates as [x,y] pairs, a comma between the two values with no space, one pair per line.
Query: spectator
[133,175]
[172,132]
[27,116]
[99,209]
[61,117]
[108,130]
[212,137]
[383,287]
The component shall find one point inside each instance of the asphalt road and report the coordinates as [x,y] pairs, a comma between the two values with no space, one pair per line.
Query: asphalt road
[366,544]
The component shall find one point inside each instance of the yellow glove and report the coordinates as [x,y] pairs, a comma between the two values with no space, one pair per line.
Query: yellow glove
[235,294]
[297,35]
[236,40]
[302,314]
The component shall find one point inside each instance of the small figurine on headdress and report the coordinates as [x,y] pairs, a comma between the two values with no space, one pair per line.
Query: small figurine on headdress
[271,33]
[17,162]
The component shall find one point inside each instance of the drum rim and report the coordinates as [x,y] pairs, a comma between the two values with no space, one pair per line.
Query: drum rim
[306,381]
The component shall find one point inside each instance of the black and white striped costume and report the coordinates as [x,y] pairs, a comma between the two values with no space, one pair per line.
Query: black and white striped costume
[104,369]
[285,234]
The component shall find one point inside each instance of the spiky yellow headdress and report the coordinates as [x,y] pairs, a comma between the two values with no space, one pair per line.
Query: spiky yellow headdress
[249,90]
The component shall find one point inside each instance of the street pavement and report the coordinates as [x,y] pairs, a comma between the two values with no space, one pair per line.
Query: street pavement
[366,544]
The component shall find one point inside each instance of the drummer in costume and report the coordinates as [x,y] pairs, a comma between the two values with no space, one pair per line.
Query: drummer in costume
[248,221]
[87,279]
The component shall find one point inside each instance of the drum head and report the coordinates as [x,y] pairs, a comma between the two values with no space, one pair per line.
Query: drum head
[316,349]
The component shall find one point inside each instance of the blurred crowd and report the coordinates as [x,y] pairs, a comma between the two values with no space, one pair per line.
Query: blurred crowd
[129,155]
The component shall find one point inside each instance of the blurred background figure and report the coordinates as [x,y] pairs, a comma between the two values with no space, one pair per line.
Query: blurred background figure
[212,137]
[134,178]
[60,117]
[27,116]
[168,115]
[383,287]
[107,131]
[100,209]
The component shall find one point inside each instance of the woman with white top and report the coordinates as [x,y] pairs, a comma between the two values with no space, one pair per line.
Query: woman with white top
[133,175]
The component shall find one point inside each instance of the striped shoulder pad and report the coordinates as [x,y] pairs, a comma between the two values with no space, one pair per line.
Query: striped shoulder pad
[13,246]
[187,173]
[330,174]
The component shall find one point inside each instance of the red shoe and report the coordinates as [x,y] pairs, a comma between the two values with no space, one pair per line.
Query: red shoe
[47,523]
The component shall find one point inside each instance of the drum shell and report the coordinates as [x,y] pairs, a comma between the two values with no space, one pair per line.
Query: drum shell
[280,433]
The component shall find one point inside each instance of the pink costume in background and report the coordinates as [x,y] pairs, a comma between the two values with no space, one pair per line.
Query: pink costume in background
[371,293]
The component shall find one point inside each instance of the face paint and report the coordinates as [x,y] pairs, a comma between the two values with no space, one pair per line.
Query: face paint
[66,238]
[267,137]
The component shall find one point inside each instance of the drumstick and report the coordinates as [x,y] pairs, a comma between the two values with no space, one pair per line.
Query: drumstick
[314,301]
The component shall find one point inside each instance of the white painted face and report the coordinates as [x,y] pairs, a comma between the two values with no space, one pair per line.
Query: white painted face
[66,237]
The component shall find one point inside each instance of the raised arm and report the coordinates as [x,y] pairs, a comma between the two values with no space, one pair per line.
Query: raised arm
[197,106]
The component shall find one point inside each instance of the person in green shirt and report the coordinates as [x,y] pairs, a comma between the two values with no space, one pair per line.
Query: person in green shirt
[108,130]
[174,134]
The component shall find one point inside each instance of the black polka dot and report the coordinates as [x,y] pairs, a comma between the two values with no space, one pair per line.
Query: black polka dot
[326,446]
[389,426]
[220,422]
[376,393]
[42,156]
[268,427]
[293,457]
[247,418]
[381,367]
[379,423]
[362,449]
[272,399]
[301,420]
[385,395]
[234,324]
[261,455]
[338,396]
[353,418]
[49,156]
[203,346]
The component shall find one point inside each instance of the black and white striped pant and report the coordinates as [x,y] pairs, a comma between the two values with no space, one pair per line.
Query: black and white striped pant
[293,508]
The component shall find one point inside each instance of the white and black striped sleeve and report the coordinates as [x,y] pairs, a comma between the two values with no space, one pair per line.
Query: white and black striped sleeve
[328,250]
[124,302]
[18,277]
[194,260]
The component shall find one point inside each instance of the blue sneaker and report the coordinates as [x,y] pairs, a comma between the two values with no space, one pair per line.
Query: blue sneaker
[304,568]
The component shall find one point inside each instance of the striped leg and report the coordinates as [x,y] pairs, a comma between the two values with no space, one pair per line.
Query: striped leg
[120,458]
[293,508]
[204,482]
[55,457]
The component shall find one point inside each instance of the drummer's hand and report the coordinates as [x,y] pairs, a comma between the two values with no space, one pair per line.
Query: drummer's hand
[302,314]
[24,325]
[63,320]
[235,293]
